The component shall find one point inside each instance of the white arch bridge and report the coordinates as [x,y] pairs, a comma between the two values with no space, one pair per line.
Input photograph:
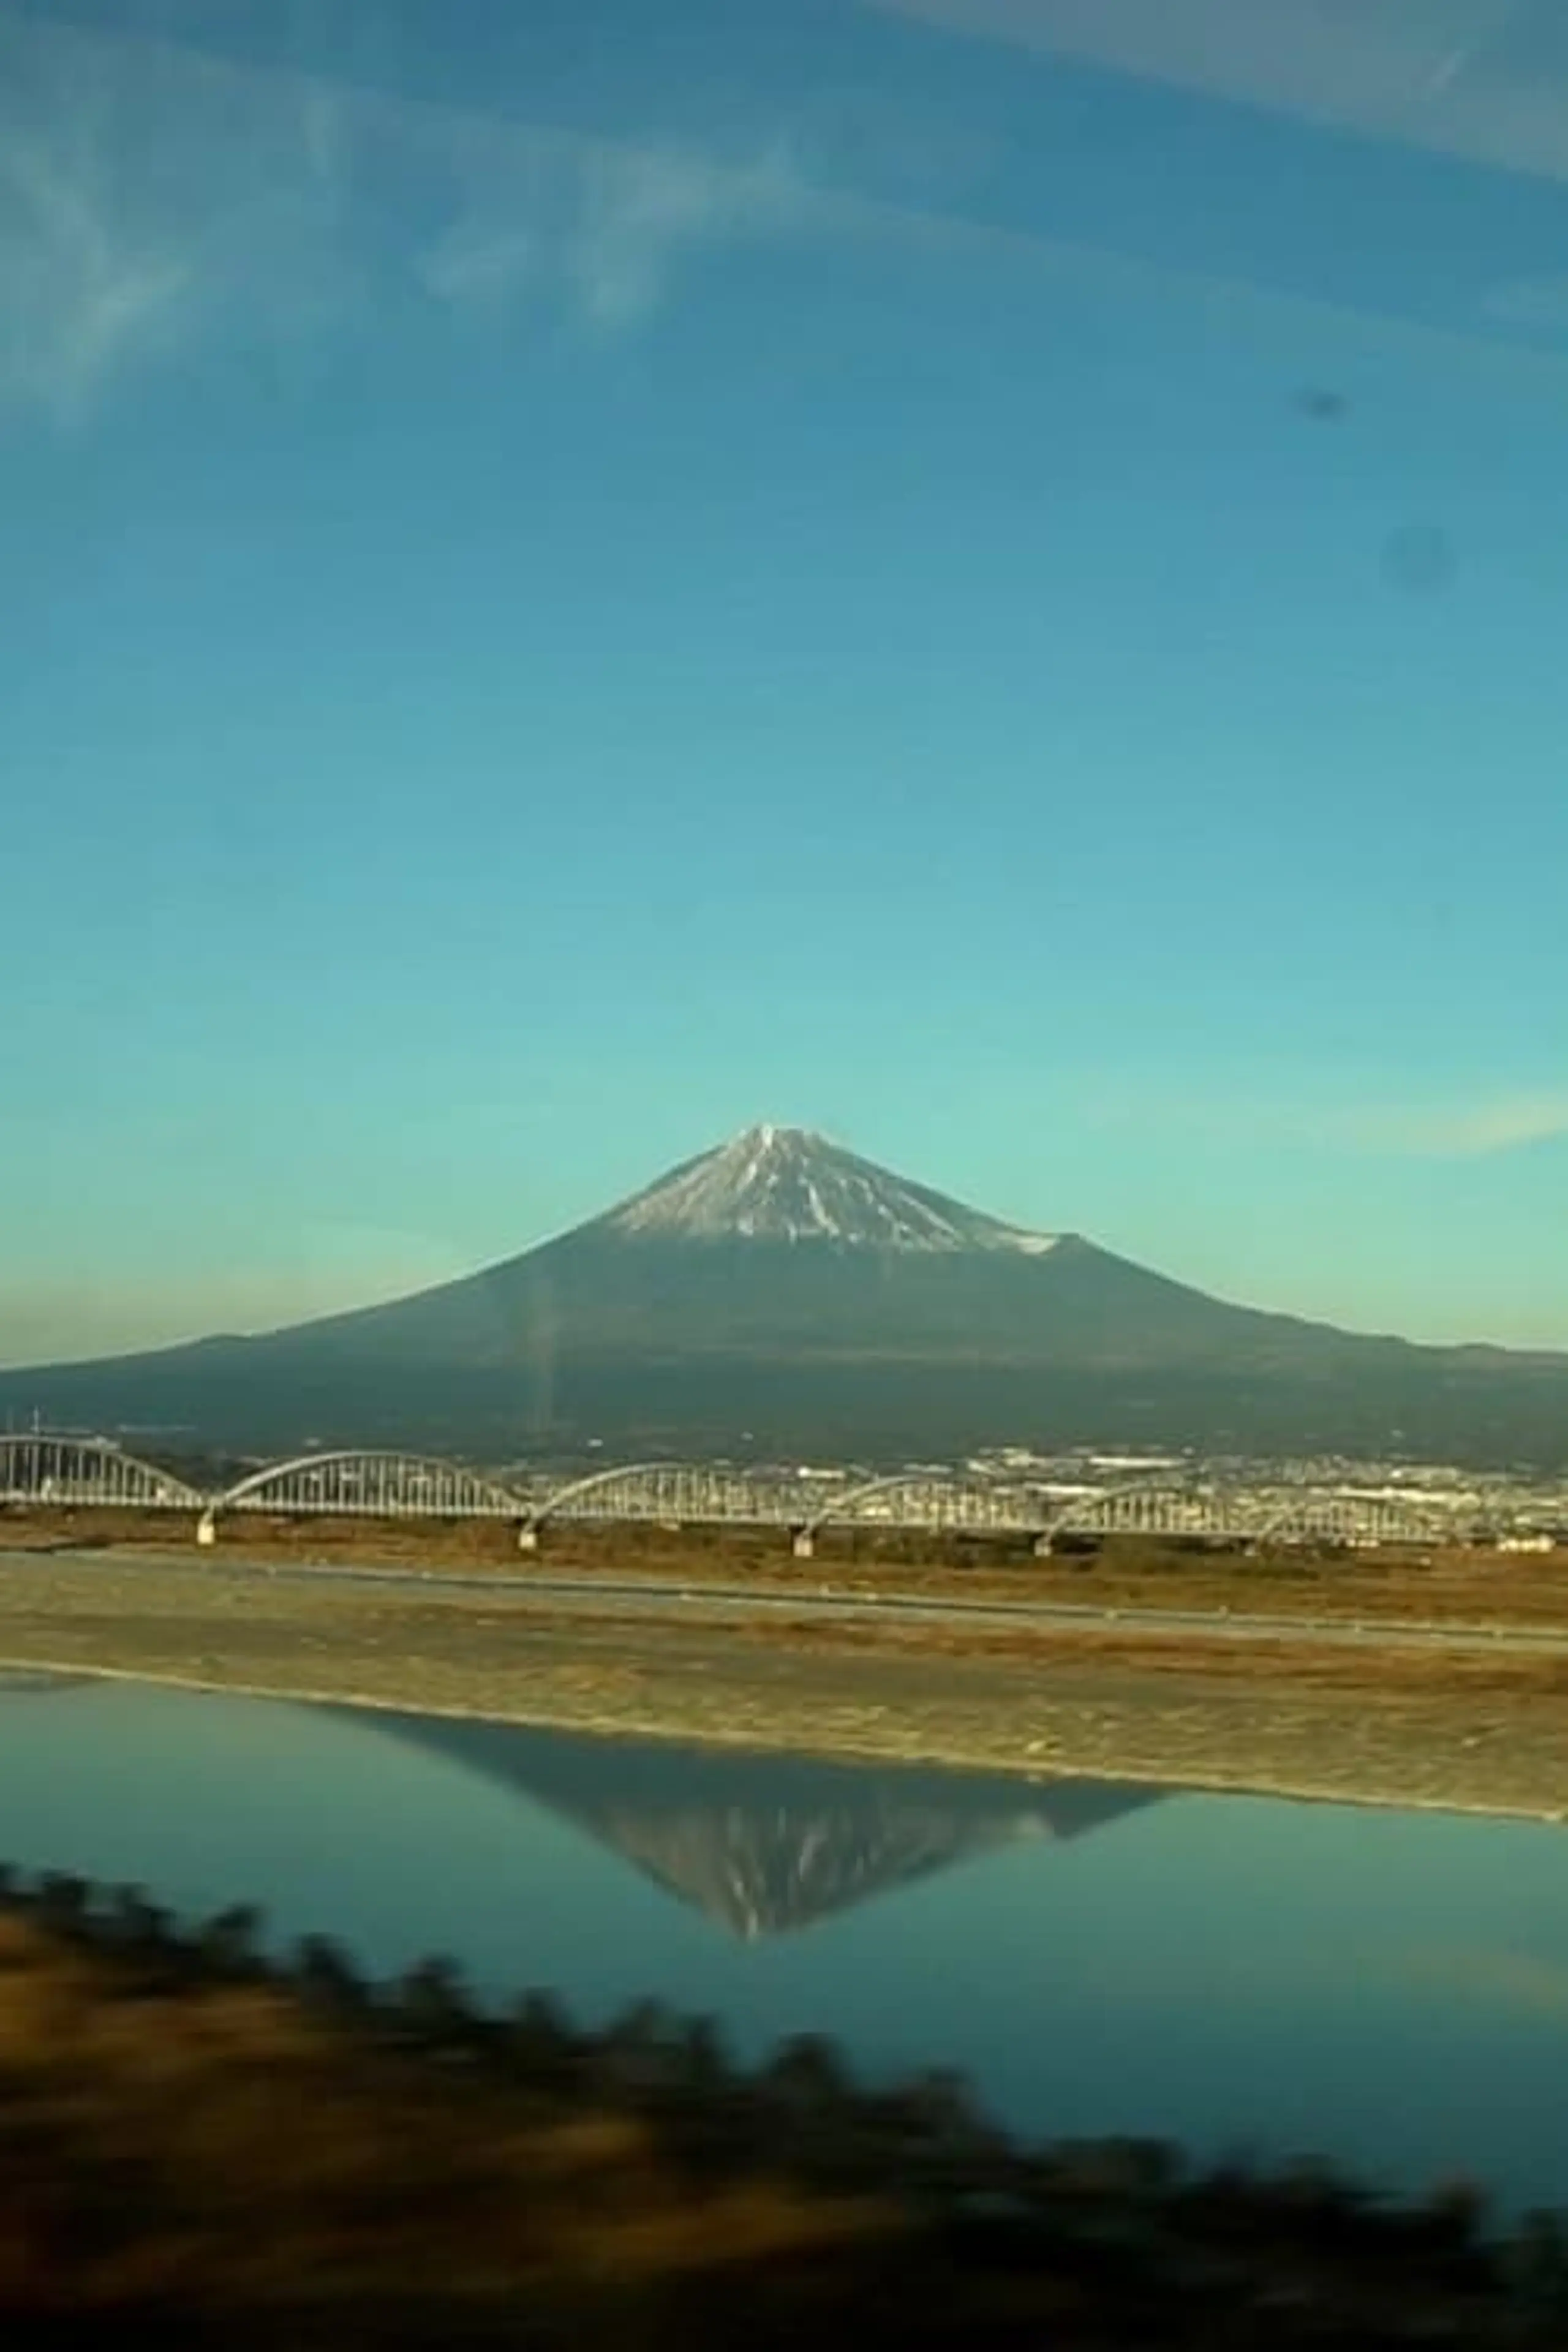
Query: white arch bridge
[55,1470]
[42,1468]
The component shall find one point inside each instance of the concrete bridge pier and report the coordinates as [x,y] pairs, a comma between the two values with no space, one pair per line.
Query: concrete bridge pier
[802,1543]
[528,1536]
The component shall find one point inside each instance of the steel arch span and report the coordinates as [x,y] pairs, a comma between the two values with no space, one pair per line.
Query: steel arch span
[363,1482]
[1359,1519]
[673,1493]
[919,1499]
[39,1466]
[1254,1516]
[1151,1507]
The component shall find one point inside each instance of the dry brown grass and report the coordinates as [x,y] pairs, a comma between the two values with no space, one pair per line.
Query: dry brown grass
[217,2146]
[1378,1665]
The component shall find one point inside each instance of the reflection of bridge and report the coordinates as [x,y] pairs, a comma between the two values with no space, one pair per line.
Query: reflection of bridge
[54,1470]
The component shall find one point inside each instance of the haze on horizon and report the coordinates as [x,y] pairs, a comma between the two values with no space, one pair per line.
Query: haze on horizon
[577,580]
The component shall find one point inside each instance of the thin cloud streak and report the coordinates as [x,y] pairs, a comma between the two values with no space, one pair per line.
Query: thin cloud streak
[1473,1130]
[1439,77]
[1468,1131]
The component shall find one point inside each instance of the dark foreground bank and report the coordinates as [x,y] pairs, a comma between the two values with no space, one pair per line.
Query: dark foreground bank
[214,2148]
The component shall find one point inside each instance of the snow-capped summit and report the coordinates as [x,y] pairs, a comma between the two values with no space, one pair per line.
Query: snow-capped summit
[787,1184]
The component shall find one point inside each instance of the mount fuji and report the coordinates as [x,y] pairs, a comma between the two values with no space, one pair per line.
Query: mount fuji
[781,1296]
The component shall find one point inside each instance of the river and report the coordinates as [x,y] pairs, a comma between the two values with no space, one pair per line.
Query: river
[1244,1975]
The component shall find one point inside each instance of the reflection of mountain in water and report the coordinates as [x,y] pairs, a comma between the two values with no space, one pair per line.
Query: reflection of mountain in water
[40,1681]
[760,1843]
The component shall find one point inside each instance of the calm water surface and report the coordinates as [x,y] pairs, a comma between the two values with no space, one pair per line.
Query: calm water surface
[1237,1973]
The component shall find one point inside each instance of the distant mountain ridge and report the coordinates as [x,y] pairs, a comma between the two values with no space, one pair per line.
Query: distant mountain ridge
[783,1296]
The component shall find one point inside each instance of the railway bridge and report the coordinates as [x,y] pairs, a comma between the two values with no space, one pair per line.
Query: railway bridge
[46,1469]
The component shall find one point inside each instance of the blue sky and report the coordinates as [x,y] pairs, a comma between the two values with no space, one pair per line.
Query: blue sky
[579,576]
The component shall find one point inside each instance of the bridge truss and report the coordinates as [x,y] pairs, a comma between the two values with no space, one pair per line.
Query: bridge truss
[86,1473]
[925,1500]
[363,1484]
[669,1494]
[1236,1514]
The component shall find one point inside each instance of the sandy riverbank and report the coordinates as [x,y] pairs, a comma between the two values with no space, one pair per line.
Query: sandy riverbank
[1465,1733]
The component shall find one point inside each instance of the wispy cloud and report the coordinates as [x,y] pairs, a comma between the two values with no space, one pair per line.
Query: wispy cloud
[1467,1130]
[638,211]
[153,198]
[147,196]
[1456,1128]
[83,293]
[600,225]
